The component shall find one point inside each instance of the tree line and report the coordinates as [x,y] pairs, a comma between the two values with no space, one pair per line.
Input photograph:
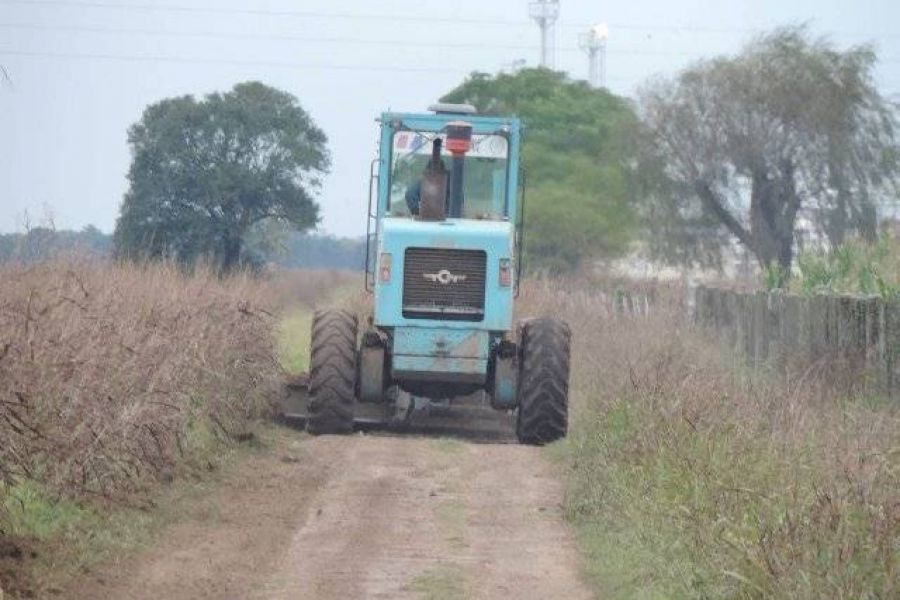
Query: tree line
[730,150]
[44,242]
[294,249]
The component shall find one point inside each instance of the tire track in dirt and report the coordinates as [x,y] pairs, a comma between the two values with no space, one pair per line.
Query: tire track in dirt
[365,516]
[374,528]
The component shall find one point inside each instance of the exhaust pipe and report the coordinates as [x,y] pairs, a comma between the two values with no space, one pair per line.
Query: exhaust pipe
[433,190]
[459,141]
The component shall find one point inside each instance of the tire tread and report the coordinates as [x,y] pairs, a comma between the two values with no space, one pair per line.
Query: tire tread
[332,374]
[543,412]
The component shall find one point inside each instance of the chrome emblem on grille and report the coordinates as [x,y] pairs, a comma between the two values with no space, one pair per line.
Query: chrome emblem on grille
[444,277]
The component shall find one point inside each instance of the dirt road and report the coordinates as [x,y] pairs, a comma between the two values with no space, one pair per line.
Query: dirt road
[365,516]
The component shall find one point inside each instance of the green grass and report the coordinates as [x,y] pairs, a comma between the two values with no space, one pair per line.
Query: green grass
[72,536]
[294,330]
[444,582]
[644,513]
[666,509]
[31,512]
[293,340]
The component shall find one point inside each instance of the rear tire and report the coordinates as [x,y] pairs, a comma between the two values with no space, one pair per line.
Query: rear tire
[332,376]
[543,414]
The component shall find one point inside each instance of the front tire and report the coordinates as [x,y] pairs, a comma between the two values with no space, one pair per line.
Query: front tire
[332,376]
[543,414]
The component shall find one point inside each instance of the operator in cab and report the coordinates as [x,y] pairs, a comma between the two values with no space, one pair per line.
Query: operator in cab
[434,169]
[413,196]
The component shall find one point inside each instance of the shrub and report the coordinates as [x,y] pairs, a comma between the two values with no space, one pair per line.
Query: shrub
[854,267]
[113,377]
[690,477]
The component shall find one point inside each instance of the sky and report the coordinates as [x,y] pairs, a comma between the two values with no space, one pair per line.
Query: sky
[77,73]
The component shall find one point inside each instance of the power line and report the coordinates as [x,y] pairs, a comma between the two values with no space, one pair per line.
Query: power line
[228,62]
[262,12]
[298,38]
[329,40]
[256,36]
[143,7]
[242,63]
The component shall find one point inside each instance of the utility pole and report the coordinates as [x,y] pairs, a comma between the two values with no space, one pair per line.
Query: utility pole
[594,43]
[545,13]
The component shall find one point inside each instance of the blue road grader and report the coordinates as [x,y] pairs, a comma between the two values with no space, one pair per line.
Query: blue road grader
[445,245]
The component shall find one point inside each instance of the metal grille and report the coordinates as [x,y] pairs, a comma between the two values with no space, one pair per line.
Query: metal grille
[442,283]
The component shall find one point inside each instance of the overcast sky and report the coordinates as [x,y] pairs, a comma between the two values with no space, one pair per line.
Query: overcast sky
[81,71]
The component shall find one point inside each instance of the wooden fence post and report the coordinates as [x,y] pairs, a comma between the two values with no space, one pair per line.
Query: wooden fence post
[774,326]
[891,344]
[792,325]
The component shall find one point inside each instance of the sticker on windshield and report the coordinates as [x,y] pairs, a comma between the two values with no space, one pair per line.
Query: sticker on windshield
[483,146]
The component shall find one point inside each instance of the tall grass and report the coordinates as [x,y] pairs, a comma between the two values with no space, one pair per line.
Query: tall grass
[690,477]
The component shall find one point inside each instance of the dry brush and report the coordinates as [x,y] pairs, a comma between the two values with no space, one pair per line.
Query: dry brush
[692,476]
[113,377]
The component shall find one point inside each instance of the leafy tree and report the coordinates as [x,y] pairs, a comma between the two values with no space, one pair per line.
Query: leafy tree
[746,145]
[575,155]
[204,172]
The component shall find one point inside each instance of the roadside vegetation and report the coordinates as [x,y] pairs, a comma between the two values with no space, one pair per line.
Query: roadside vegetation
[854,267]
[297,294]
[124,388]
[116,381]
[691,477]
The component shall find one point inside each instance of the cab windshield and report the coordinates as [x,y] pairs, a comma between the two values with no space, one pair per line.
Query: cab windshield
[484,179]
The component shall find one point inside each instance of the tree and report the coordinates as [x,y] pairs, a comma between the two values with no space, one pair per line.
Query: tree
[746,144]
[575,157]
[205,172]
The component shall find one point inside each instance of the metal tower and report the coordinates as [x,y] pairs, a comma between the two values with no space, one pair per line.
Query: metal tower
[594,43]
[545,13]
